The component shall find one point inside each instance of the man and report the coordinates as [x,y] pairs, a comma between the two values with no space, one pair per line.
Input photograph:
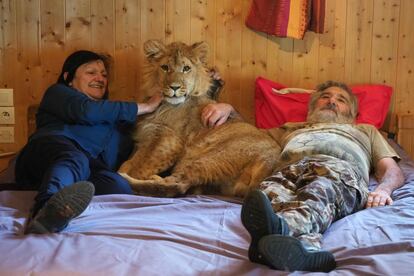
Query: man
[323,176]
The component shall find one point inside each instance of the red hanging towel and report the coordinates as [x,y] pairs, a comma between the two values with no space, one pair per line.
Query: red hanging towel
[286,18]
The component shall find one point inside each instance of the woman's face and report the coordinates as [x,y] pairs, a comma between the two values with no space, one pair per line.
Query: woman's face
[91,79]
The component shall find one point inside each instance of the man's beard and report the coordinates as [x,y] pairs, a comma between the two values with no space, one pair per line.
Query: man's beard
[326,116]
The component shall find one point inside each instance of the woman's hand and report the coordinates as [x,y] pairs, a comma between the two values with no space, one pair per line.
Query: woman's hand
[150,105]
[216,114]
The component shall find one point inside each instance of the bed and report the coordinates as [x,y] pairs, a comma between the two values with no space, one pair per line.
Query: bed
[194,235]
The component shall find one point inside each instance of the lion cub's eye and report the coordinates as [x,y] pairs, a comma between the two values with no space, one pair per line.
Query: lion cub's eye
[186,68]
[165,67]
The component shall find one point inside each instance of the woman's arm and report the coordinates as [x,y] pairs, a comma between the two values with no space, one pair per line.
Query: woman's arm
[73,107]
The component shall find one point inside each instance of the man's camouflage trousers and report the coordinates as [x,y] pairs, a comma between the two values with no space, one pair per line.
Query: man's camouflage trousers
[314,192]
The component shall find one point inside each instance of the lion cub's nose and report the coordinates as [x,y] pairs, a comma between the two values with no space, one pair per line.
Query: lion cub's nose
[175,88]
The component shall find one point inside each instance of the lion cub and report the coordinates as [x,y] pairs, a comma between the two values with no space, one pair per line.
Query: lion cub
[229,159]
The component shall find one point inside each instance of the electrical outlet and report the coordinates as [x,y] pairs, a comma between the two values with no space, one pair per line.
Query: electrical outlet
[7,115]
[6,134]
[6,97]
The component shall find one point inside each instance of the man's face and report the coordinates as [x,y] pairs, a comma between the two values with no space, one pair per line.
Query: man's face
[91,79]
[333,106]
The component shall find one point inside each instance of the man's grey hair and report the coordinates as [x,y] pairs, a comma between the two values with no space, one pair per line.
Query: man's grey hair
[321,87]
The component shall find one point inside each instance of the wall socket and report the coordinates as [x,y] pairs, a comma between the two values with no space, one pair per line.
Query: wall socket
[6,97]
[6,135]
[7,115]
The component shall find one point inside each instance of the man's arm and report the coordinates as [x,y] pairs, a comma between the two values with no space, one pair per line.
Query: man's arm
[390,177]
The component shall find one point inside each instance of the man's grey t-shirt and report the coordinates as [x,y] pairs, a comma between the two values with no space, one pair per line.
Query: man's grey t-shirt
[362,145]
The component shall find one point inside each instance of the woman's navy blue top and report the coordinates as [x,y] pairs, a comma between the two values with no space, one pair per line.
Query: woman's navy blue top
[96,126]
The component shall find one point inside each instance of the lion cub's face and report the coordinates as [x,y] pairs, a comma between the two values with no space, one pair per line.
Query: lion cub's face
[178,77]
[179,70]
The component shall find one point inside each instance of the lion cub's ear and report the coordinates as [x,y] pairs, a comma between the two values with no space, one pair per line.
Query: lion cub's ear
[154,49]
[200,50]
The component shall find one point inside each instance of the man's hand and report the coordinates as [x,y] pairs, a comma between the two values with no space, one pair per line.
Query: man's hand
[390,177]
[378,198]
[216,114]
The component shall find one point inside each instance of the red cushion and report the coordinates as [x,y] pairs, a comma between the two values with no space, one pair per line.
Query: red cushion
[273,109]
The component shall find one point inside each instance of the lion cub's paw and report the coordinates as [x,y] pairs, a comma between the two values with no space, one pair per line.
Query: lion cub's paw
[169,180]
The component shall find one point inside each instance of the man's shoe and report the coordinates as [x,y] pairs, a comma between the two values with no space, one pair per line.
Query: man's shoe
[259,219]
[63,206]
[288,253]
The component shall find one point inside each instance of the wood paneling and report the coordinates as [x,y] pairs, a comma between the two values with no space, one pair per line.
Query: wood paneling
[78,29]
[253,63]
[385,42]
[52,38]
[280,60]
[203,24]
[332,42]
[177,20]
[28,86]
[126,75]
[228,49]
[404,97]
[358,40]
[305,56]
[102,26]
[153,19]
[364,42]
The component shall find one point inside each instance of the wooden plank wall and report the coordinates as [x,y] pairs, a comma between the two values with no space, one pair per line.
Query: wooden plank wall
[365,41]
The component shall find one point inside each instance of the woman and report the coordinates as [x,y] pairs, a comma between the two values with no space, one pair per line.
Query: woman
[78,145]
[80,142]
